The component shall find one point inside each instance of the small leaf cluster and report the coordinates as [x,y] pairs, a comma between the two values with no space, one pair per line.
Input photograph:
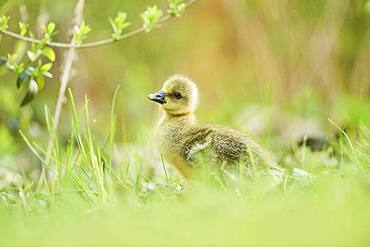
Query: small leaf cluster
[151,17]
[4,20]
[119,23]
[80,32]
[40,55]
[23,28]
[176,7]
[39,61]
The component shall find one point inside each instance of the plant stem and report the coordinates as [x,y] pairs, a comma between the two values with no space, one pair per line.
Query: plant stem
[90,44]
[65,77]
[68,61]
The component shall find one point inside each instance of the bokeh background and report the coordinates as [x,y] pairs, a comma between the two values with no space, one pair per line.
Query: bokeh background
[278,69]
[282,70]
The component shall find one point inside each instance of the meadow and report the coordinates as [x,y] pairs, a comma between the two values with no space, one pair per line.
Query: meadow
[293,74]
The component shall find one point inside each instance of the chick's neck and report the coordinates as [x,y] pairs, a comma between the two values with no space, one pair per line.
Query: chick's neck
[187,118]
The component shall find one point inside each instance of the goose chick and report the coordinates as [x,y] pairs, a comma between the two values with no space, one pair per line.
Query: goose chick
[180,140]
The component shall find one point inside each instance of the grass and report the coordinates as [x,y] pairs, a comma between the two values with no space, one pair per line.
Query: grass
[293,60]
[84,197]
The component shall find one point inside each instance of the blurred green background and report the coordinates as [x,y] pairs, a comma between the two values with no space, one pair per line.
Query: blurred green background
[278,69]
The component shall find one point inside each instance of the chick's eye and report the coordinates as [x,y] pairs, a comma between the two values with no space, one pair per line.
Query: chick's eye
[177,95]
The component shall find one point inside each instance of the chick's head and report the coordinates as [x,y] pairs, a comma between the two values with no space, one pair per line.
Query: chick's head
[178,95]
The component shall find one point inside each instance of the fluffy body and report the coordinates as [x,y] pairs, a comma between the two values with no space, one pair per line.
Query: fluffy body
[181,141]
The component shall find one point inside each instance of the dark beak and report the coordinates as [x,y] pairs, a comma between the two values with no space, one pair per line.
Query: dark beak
[158,97]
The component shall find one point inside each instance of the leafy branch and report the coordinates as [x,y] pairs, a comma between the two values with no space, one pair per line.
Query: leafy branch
[175,8]
[40,55]
[119,24]
[151,17]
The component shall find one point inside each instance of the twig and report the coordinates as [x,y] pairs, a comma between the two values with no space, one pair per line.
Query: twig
[65,77]
[68,61]
[42,19]
[93,43]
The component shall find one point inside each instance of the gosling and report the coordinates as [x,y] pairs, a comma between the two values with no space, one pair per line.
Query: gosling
[180,140]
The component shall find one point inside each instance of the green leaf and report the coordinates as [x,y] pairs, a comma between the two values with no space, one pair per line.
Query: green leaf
[50,28]
[23,27]
[36,72]
[46,67]
[33,55]
[49,31]
[40,82]
[48,74]
[80,32]
[32,91]
[119,24]
[113,24]
[49,53]
[151,17]
[23,77]
[4,20]
[175,7]
[11,61]
[18,68]
[121,20]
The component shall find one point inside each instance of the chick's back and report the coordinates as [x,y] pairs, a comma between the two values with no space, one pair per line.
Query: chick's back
[221,144]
